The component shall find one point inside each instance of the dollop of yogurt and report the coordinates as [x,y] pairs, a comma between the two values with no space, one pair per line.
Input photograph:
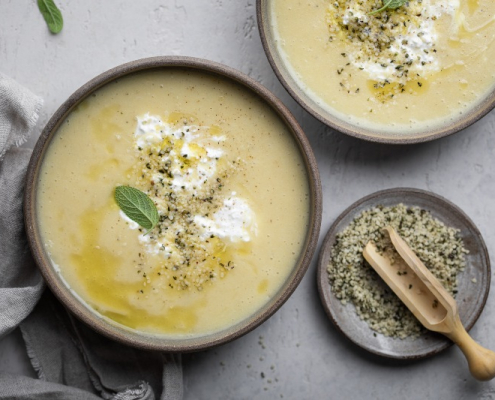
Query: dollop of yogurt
[235,221]
[152,131]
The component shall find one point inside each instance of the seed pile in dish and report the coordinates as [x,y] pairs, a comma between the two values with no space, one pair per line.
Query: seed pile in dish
[354,281]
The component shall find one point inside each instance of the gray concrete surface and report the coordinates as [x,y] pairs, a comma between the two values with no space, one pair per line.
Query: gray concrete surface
[298,351]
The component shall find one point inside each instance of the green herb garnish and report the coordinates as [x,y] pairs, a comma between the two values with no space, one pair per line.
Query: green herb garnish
[389,5]
[137,206]
[52,15]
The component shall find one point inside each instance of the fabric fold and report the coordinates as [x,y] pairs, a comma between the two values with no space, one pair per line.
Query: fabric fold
[21,284]
[19,112]
[66,351]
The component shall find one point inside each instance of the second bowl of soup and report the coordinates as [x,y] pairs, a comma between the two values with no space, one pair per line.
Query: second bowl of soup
[403,74]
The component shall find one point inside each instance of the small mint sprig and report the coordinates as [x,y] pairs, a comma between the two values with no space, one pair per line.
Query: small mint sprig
[137,206]
[52,15]
[389,5]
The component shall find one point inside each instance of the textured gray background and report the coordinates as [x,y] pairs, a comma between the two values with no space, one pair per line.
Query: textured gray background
[298,351]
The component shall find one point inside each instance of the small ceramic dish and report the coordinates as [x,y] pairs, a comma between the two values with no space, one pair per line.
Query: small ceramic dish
[115,330]
[312,101]
[474,281]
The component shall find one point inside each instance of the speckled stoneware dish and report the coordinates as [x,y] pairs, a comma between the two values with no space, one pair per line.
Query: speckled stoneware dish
[300,94]
[471,297]
[118,332]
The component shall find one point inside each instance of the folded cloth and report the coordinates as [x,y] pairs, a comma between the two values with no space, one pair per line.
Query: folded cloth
[71,360]
[65,351]
[21,284]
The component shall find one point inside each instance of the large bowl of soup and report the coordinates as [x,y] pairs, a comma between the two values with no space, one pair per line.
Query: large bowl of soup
[232,178]
[408,74]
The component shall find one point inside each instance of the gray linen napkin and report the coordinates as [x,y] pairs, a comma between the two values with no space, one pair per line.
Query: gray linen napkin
[71,360]
[20,282]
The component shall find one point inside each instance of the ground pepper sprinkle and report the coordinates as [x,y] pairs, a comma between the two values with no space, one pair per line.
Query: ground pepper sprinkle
[191,259]
[395,47]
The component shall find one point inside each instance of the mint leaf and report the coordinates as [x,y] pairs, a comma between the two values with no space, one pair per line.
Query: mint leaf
[389,4]
[394,4]
[137,206]
[52,15]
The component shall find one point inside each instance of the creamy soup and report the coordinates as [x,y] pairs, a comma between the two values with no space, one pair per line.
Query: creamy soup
[227,179]
[421,65]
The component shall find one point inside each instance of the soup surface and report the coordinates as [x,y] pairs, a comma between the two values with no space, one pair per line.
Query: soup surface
[421,65]
[229,184]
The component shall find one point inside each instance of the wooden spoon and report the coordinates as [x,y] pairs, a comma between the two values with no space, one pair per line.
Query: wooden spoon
[428,300]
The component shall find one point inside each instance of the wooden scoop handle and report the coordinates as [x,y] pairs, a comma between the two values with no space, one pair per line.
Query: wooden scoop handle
[481,361]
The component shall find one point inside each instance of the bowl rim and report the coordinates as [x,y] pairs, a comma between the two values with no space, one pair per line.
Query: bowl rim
[119,332]
[478,111]
[326,293]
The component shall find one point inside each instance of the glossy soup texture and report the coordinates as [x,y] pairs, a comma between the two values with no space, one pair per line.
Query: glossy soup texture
[402,71]
[229,183]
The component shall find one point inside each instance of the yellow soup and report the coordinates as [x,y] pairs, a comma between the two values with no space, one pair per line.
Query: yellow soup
[419,66]
[227,179]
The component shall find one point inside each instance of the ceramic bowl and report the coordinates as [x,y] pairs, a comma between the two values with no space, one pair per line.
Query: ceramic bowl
[474,281]
[118,332]
[300,93]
